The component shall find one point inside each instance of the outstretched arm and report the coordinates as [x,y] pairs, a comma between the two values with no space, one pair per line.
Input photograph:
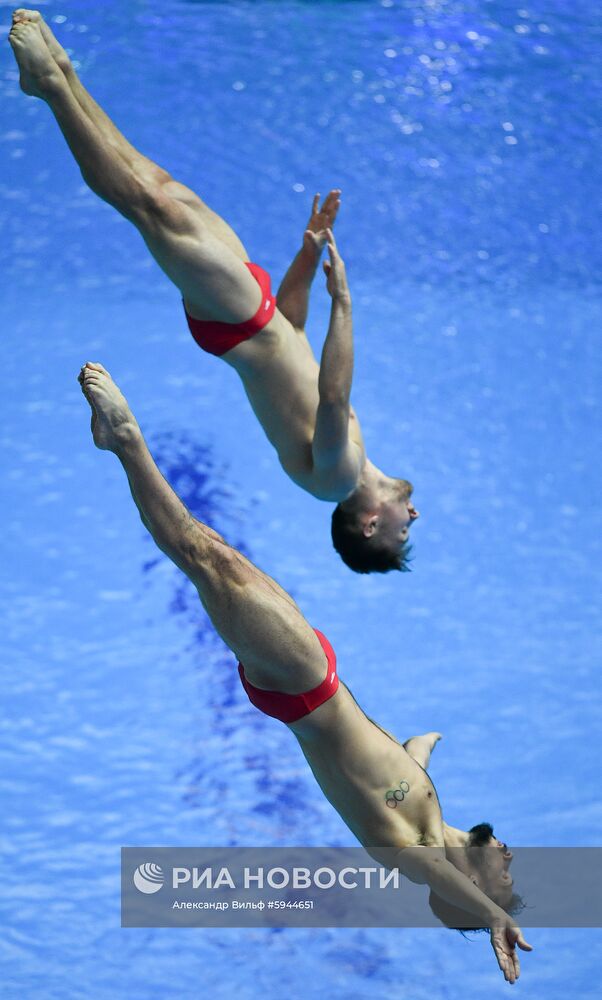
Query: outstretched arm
[293,294]
[331,447]
[429,865]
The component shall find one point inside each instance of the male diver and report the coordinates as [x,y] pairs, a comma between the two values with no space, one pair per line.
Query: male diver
[304,408]
[288,670]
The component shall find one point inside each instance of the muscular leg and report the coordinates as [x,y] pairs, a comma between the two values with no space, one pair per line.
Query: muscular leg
[218,226]
[98,117]
[258,620]
[195,248]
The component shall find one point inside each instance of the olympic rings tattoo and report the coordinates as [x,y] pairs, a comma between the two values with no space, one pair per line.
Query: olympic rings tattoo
[395,795]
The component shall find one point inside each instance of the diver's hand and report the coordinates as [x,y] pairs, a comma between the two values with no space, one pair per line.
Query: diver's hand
[504,938]
[320,221]
[334,269]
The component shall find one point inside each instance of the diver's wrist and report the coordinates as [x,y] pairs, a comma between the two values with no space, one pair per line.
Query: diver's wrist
[310,253]
[496,917]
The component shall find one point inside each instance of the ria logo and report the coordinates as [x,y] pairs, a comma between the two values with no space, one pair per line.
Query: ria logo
[148,878]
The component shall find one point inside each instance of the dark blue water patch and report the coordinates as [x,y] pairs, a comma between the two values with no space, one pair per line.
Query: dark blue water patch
[200,480]
[202,484]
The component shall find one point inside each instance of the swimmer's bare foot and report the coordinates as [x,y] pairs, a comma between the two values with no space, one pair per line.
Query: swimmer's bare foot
[421,747]
[113,423]
[39,74]
[55,48]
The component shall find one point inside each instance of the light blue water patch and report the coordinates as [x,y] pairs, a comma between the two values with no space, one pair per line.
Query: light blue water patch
[466,140]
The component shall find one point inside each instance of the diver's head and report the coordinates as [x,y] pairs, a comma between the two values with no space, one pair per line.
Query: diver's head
[371,531]
[486,861]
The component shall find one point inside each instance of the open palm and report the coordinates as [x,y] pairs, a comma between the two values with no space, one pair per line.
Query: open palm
[321,220]
[503,942]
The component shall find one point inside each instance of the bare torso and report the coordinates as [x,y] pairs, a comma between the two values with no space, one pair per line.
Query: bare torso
[280,376]
[359,768]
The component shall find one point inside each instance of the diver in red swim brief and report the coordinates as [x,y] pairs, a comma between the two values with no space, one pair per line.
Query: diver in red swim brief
[378,786]
[304,407]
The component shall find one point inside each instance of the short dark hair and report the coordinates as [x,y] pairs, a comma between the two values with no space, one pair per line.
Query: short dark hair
[361,554]
[461,920]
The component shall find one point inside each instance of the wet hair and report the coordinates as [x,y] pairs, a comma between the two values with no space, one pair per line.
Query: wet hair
[461,920]
[480,834]
[364,555]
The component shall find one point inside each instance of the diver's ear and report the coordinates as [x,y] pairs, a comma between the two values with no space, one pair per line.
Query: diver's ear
[370,525]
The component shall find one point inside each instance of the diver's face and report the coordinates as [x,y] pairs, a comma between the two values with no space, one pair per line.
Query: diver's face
[492,861]
[399,513]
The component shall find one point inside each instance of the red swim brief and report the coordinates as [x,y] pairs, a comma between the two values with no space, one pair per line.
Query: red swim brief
[292,707]
[217,338]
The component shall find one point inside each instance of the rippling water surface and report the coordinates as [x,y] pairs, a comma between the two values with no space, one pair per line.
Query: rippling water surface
[466,139]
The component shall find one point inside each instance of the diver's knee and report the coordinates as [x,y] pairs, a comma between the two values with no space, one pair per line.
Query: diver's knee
[211,558]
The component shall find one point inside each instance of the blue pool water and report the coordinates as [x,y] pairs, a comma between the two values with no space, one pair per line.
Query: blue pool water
[466,140]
